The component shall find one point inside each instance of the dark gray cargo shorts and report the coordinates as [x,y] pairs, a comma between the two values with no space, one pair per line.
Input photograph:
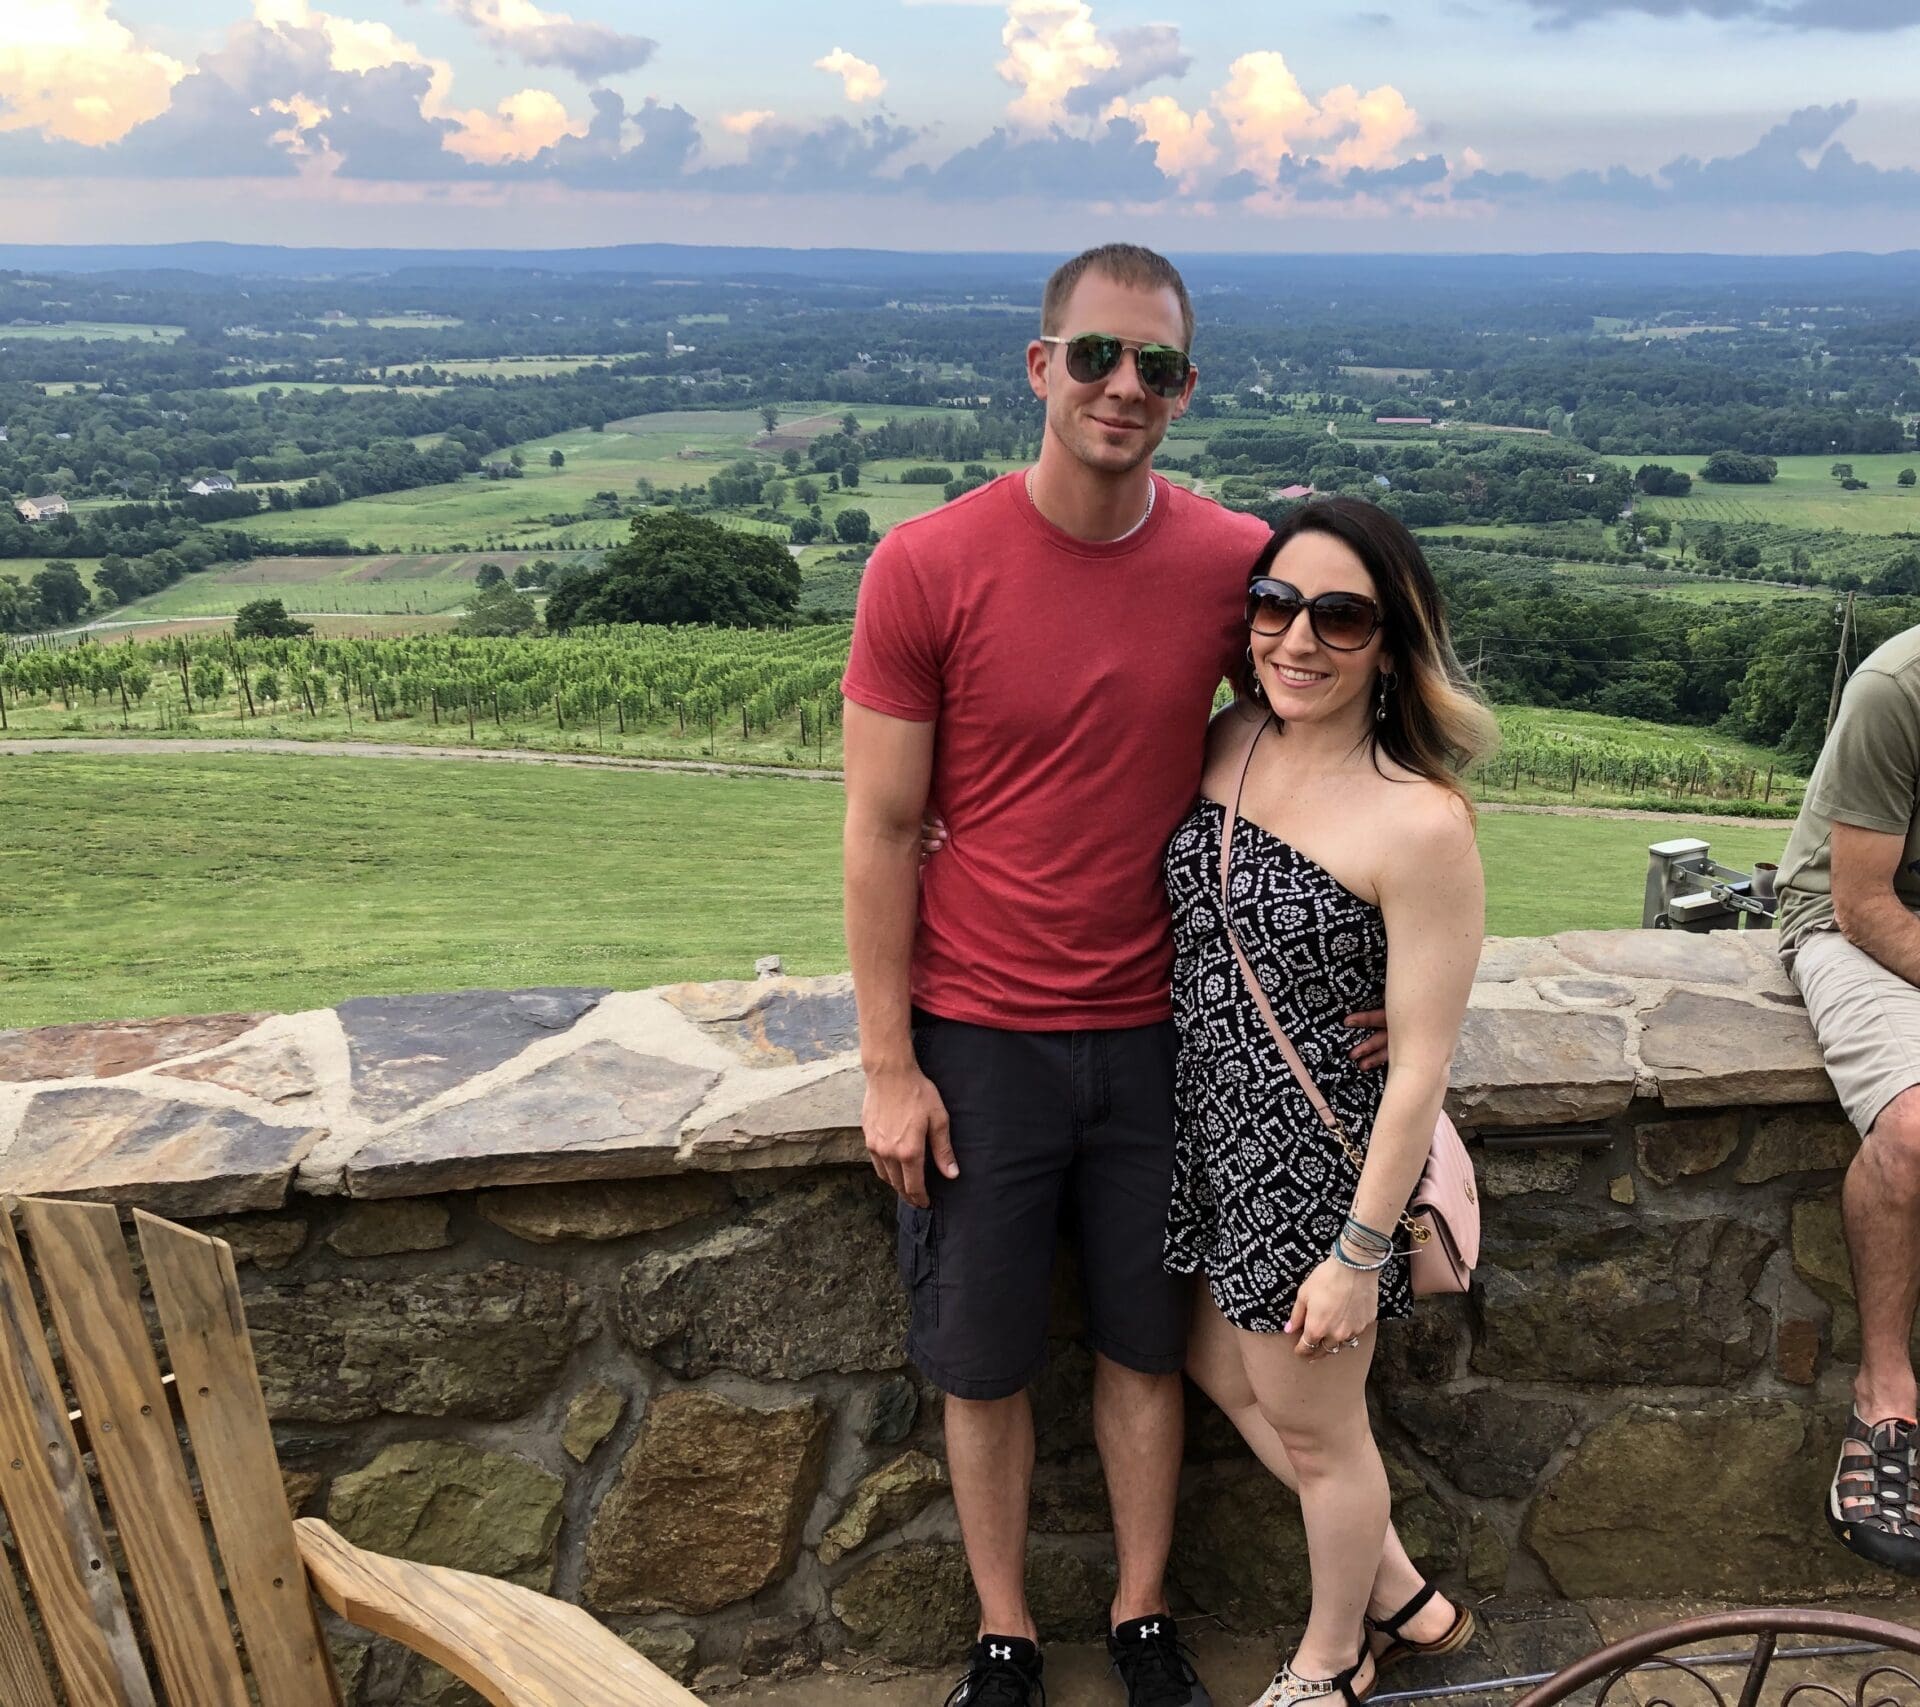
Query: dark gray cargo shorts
[1053,1131]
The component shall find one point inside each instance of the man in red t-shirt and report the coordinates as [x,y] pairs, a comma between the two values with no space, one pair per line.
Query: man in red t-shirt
[1036,662]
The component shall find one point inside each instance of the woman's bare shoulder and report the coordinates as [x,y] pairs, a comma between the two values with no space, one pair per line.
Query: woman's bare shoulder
[1430,821]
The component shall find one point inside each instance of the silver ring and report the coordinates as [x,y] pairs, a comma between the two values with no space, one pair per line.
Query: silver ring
[1352,1342]
[1309,1345]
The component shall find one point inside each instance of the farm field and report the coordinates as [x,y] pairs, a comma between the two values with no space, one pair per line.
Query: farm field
[475,511]
[390,322]
[91,329]
[1668,584]
[1668,332]
[1804,494]
[180,884]
[676,448]
[1606,578]
[519,367]
[426,584]
[254,388]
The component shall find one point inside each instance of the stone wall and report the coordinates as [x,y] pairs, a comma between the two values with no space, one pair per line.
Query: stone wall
[594,1291]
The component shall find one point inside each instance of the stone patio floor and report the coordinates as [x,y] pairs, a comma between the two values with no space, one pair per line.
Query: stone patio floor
[1514,1639]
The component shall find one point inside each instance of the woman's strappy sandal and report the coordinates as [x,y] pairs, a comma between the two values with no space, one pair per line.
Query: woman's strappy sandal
[1290,1689]
[1459,1632]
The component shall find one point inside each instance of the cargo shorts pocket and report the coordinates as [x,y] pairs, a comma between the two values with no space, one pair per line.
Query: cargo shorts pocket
[919,1260]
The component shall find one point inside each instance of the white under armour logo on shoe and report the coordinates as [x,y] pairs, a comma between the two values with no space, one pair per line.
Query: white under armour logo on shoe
[1147,1630]
[996,1652]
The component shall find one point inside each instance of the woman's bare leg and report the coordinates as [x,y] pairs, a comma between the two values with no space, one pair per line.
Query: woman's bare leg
[1215,1364]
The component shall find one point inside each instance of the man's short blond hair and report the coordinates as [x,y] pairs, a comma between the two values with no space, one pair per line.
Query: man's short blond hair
[1126,264]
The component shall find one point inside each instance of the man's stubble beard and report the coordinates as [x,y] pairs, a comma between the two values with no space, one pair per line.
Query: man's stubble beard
[1082,440]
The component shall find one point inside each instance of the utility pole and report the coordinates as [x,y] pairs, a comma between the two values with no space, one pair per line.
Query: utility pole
[1840,663]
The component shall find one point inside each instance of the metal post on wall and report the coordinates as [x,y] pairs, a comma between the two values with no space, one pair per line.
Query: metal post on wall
[1840,663]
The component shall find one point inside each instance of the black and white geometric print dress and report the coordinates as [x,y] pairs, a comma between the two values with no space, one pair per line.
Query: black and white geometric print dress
[1261,1188]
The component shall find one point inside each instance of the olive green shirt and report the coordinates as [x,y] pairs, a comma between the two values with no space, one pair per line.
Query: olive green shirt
[1868,776]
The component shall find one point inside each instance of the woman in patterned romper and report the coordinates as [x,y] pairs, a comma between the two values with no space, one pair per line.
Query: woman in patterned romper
[1355,883]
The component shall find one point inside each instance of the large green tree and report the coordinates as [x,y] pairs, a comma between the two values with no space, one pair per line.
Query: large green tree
[267,619]
[681,568]
[498,609]
[1736,468]
[62,595]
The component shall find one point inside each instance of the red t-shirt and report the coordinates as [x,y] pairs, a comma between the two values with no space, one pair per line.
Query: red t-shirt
[1072,684]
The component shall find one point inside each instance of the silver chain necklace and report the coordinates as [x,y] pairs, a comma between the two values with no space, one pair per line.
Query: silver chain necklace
[1145,515]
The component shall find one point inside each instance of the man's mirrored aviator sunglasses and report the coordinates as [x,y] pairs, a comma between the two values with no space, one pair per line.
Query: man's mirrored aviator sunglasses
[1091,356]
[1344,621]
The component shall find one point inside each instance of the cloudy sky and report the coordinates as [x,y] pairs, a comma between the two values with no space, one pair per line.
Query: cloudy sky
[1747,125]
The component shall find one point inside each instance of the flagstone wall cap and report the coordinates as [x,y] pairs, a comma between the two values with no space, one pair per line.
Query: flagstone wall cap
[402,1096]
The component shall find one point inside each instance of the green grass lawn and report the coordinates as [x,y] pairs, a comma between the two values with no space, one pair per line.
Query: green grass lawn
[1803,494]
[139,886]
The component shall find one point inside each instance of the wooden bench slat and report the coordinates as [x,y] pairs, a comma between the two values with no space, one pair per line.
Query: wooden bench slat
[50,1507]
[218,1386]
[23,1679]
[95,1303]
[518,1648]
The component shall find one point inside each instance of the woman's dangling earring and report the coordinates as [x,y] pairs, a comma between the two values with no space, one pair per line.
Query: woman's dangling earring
[1253,675]
[1386,686]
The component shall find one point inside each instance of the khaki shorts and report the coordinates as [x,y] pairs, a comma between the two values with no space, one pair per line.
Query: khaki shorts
[1867,1020]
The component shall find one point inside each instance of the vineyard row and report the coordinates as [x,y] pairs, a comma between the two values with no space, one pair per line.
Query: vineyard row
[782,684]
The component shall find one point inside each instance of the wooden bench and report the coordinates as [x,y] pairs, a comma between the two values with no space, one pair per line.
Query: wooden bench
[261,1639]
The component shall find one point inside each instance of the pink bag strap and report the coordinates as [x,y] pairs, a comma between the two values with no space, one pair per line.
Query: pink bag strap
[1230,818]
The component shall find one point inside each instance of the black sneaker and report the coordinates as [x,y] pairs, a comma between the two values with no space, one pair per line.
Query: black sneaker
[1870,1505]
[1152,1664]
[1004,1671]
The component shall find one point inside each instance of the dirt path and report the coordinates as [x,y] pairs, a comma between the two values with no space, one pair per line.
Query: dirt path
[1628,812]
[608,761]
[394,750]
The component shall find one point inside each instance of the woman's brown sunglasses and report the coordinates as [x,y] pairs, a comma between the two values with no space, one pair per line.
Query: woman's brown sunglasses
[1344,621]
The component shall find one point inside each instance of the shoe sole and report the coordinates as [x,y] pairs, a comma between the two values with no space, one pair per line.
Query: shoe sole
[1889,1552]
[1398,1652]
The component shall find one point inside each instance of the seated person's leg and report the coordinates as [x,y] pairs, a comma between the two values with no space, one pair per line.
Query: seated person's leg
[1868,1022]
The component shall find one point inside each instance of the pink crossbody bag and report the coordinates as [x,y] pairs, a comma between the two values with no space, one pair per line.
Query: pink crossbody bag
[1443,1218]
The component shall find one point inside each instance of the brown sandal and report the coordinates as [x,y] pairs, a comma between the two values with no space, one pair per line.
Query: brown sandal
[1400,1647]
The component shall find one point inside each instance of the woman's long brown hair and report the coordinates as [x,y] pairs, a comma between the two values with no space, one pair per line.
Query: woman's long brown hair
[1436,724]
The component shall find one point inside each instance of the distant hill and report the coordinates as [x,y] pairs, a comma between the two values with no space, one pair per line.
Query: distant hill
[882,267]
